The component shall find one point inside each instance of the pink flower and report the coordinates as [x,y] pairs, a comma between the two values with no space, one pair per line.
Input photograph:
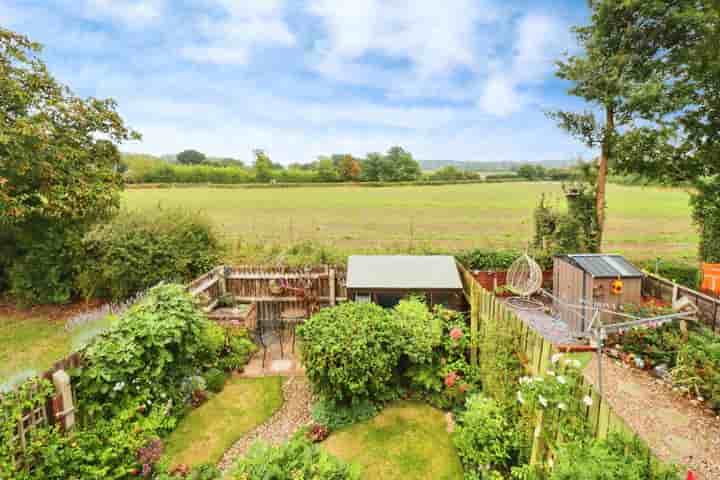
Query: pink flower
[451,379]
[456,334]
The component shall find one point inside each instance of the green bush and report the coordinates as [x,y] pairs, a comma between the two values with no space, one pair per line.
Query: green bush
[679,272]
[137,250]
[350,353]
[146,356]
[296,459]
[706,214]
[237,351]
[698,366]
[616,457]
[498,260]
[215,380]
[486,439]
[212,342]
[336,416]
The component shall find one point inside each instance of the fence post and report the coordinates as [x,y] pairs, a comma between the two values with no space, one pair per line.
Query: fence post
[61,380]
[222,280]
[474,317]
[331,281]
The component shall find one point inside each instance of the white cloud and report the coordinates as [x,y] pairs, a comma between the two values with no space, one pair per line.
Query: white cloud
[243,27]
[538,40]
[129,12]
[435,37]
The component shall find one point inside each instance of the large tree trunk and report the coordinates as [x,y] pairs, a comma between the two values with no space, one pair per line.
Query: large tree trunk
[603,172]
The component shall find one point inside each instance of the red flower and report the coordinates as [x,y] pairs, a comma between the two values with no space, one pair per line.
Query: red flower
[456,334]
[464,388]
[451,379]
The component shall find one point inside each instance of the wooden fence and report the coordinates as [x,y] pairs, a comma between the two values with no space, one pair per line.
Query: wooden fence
[487,310]
[272,289]
[668,291]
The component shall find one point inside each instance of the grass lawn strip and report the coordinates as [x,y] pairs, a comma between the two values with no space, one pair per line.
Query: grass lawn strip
[407,440]
[207,432]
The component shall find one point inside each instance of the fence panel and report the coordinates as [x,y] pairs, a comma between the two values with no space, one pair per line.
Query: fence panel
[668,291]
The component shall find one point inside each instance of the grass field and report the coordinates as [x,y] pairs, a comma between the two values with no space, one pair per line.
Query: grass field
[642,222]
[406,441]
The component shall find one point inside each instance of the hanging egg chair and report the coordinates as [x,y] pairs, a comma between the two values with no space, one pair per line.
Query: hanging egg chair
[524,279]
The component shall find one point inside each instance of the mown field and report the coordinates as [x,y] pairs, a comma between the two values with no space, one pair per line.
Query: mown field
[643,223]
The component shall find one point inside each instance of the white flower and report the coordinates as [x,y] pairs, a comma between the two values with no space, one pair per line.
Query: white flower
[587,400]
[561,379]
[542,401]
[119,386]
[520,398]
[524,380]
[562,406]
[538,379]
[551,373]
[556,358]
[573,363]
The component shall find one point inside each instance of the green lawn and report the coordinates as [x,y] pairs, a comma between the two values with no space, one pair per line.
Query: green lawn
[406,441]
[29,346]
[642,222]
[207,432]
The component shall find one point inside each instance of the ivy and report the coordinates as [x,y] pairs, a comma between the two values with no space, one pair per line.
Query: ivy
[706,214]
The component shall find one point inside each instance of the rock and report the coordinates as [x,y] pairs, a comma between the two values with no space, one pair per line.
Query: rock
[660,371]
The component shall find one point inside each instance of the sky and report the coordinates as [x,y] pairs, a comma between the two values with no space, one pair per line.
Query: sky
[447,80]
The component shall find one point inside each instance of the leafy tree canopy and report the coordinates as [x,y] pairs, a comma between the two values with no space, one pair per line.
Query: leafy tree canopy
[191,157]
[58,152]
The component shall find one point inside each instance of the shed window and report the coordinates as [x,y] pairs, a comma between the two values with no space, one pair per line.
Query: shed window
[363,297]
[388,300]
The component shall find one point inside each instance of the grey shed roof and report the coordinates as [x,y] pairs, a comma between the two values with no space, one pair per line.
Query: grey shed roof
[605,266]
[403,272]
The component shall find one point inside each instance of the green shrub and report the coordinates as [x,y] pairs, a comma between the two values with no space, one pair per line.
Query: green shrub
[336,416]
[421,331]
[498,260]
[698,366]
[42,267]
[616,457]
[238,350]
[683,273]
[350,353]
[137,250]
[295,459]
[215,380]
[146,356]
[486,439]
[212,342]
[447,378]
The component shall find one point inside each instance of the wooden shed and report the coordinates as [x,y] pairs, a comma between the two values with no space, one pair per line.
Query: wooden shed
[386,279]
[608,281]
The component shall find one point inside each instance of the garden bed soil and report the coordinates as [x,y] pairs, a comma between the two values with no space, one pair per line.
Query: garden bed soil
[55,313]
[677,429]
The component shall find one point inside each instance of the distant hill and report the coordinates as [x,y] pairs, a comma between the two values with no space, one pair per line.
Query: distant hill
[475,166]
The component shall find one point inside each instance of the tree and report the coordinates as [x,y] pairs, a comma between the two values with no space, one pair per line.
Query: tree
[59,160]
[400,166]
[531,172]
[349,169]
[263,166]
[326,170]
[191,157]
[373,167]
[679,137]
[614,75]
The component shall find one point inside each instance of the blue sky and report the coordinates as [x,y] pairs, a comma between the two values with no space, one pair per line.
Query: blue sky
[450,79]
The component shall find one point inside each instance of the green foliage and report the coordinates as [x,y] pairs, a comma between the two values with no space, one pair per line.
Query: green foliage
[676,270]
[421,331]
[146,356]
[350,352]
[107,448]
[706,214]
[237,351]
[452,173]
[447,377]
[698,366]
[215,380]
[532,172]
[334,416]
[295,459]
[498,260]
[191,157]
[486,439]
[499,363]
[262,167]
[553,402]
[138,250]
[616,457]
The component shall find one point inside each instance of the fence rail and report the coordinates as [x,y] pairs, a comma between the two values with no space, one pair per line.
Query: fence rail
[666,290]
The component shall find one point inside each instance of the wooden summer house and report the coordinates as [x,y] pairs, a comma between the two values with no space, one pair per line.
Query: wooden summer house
[608,281]
[386,279]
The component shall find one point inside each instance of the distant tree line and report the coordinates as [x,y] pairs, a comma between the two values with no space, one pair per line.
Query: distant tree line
[396,165]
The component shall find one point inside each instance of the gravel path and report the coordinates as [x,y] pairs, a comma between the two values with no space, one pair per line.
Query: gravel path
[676,429]
[294,414]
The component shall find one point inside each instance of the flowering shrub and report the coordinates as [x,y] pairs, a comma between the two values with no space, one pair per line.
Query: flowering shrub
[554,400]
[317,433]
